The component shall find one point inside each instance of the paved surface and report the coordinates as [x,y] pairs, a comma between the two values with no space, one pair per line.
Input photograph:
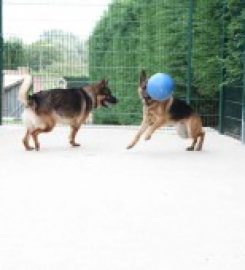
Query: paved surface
[103,207]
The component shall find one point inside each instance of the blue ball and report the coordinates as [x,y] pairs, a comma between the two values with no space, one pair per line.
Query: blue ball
[160,86]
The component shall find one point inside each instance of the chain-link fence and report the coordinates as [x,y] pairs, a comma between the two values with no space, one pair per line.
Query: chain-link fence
[200,43]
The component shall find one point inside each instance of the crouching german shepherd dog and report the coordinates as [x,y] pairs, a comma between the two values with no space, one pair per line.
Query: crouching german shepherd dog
[171,111]
[43,110]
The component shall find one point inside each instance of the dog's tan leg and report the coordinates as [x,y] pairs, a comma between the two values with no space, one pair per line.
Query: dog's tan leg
[143,127]
[74,131]
[154,127]
[35,134]
[26,140]
[200,143]
[195,127]
[35,139]
[192,147]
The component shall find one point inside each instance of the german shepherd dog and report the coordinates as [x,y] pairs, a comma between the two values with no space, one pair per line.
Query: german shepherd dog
[44,109]
[171,111]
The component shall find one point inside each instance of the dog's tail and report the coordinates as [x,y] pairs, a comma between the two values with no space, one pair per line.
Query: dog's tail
[23,92]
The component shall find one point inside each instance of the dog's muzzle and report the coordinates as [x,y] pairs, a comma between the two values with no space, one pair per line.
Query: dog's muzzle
[109,101]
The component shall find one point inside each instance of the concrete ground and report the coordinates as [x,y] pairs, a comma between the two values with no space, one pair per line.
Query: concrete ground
[102,207]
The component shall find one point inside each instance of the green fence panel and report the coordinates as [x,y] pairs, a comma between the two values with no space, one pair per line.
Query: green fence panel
[233,111]
[198,42]
[1,64]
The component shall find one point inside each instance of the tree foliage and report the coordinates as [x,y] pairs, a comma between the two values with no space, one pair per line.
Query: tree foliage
[56,52]
[235,40]
[13,54]
[150,34]
[155,35]
[41,54]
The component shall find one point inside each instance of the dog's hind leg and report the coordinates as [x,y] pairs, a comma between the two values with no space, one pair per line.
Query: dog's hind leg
[36,132]
[26,141]
[192,147]
[201,139]
[35,139]
[195,132]
[73,134]
[143,127]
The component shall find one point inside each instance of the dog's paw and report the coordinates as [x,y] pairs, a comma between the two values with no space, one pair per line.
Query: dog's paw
[75,144]
[147,137]
[37,146]
[191,148]
[29,148]
[129,146]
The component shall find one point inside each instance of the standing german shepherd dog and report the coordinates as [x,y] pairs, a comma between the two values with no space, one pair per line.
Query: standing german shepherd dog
[174,111]
[72,106]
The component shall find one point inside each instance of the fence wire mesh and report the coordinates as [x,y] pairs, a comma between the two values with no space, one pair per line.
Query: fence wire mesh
[71,43]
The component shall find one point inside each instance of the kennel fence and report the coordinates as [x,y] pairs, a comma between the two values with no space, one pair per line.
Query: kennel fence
[200,43]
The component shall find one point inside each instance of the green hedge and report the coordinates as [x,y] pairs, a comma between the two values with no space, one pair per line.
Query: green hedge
[136,34]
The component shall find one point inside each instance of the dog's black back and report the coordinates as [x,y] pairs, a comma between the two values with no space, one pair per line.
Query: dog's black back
[179,110]
[65,102]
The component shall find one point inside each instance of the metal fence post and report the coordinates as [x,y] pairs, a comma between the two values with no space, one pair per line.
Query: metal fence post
[243,87]
[1,63]
[222,90]
[189,59]
[243,98]
[221,110]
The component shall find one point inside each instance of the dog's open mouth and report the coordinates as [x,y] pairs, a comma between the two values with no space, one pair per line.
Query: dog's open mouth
[109,102]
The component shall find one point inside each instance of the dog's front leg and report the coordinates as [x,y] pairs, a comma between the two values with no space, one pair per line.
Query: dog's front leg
[153,128]
[143,127]
[74,131]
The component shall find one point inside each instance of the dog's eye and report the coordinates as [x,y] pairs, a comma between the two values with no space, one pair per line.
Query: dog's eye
[106,91]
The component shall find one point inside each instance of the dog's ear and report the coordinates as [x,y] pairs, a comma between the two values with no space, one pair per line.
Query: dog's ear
[143,80]
[103,83]
[143,77]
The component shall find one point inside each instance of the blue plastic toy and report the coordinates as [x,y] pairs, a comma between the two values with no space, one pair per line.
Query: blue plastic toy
[160,86]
